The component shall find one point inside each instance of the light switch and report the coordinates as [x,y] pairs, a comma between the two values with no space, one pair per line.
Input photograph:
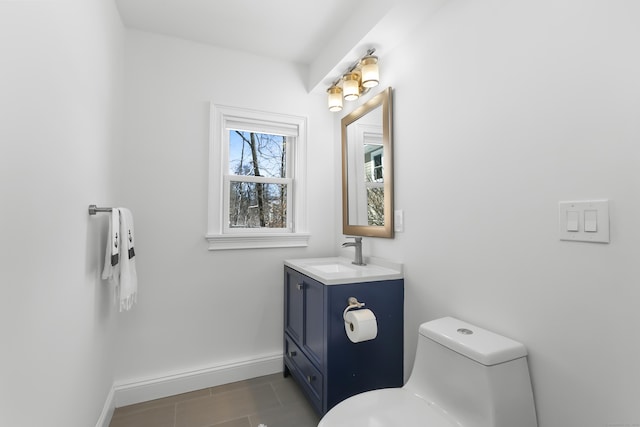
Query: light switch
[584,221]
[572,221]
[590,221]
[398,221]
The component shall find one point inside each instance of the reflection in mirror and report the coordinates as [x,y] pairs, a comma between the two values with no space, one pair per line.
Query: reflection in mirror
[367,176]
[365,171]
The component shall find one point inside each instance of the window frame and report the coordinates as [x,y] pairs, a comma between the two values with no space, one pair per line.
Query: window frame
[226,188]
[219,235]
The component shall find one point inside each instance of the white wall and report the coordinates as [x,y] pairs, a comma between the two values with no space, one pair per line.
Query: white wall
[197,308]
[502,109]
[61,85]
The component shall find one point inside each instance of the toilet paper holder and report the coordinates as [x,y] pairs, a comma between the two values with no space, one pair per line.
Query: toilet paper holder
[352,302]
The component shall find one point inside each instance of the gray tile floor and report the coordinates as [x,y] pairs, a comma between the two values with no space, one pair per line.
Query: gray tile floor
[271,400]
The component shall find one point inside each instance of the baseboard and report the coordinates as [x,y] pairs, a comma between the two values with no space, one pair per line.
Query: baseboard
[142,390]
[107,410]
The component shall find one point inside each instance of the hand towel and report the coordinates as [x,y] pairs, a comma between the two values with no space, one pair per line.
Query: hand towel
[128,289]
[111,270]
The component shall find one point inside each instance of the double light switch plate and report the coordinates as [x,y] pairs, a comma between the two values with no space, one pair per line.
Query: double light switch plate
[584,221]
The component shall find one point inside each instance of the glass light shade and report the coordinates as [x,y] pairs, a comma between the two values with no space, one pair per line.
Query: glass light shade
[335,98]
[351,86]
[370,73]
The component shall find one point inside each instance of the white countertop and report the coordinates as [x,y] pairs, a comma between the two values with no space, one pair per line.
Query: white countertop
[338,270]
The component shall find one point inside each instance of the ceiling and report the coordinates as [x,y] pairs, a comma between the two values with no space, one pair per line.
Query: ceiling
[326,36]
[291,30]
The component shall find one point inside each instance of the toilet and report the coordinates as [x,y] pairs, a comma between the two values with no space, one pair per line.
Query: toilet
[463,376]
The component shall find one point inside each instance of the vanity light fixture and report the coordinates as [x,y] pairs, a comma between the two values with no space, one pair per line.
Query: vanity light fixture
[351,86]
[370,73]
[358,79]
[335,98]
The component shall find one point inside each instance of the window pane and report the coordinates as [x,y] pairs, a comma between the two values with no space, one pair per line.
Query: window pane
[257,205]
[257,154]
[373,163]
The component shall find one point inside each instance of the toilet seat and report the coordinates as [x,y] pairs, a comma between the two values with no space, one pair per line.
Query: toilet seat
[386,408]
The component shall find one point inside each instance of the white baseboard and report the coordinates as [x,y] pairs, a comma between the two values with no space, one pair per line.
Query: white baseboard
[107,410]
[129,392]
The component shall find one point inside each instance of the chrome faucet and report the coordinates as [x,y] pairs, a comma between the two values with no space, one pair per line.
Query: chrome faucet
[358,245]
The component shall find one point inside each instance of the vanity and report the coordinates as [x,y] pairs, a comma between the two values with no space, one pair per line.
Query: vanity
[318,354]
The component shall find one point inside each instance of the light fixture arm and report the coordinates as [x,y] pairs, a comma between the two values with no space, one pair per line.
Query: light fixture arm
[353,66]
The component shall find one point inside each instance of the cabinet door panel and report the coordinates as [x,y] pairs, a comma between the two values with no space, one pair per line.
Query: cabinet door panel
[314,337]
[294,308]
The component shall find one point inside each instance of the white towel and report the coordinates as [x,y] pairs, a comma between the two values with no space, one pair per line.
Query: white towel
[111,270]
[119,259]
[128,277]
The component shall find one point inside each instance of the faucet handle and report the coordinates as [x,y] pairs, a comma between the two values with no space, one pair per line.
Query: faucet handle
[357,241]
[358,245]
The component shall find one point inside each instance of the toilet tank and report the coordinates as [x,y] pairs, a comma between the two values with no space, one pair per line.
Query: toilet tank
[478,377]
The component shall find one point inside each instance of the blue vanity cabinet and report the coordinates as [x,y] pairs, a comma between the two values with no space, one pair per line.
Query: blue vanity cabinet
[304,301]
[317,352]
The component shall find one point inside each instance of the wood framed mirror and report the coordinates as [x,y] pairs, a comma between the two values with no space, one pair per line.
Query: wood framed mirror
[367,168]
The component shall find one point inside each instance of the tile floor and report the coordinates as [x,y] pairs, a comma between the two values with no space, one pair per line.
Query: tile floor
[271,400]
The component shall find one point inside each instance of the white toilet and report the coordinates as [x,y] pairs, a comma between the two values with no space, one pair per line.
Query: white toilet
[463,376]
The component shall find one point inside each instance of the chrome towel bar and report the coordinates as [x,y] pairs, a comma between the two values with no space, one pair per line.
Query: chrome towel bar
[93,209]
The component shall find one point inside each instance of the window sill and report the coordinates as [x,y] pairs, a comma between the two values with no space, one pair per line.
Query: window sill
[257,241]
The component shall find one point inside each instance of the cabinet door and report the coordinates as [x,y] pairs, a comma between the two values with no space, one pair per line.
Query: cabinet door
[294,304]
[314,319]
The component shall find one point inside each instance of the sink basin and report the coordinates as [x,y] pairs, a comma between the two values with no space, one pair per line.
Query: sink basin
[337,270]
[333,268]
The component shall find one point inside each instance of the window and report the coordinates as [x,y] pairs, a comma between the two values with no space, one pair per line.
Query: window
[256,180]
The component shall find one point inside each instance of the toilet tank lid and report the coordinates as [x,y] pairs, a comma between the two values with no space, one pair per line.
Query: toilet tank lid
[483,346]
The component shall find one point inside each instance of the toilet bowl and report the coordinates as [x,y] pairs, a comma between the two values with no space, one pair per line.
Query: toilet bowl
[463,375]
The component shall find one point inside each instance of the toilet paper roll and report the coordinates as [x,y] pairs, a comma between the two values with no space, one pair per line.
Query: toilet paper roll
[360,325]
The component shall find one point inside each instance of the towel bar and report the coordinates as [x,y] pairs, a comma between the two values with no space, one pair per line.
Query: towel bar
[93,209]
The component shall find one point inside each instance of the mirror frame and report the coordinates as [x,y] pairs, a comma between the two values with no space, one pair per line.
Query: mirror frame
[381,99]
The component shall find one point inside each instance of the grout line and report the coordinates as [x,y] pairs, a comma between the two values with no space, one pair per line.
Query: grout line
[232,419]
[175,414]
[276,393]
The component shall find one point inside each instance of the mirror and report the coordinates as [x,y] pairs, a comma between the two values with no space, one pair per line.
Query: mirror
[367,169]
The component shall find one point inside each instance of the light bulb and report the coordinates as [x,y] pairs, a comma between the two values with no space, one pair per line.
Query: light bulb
[335,98]
[351,86]
[370,73]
